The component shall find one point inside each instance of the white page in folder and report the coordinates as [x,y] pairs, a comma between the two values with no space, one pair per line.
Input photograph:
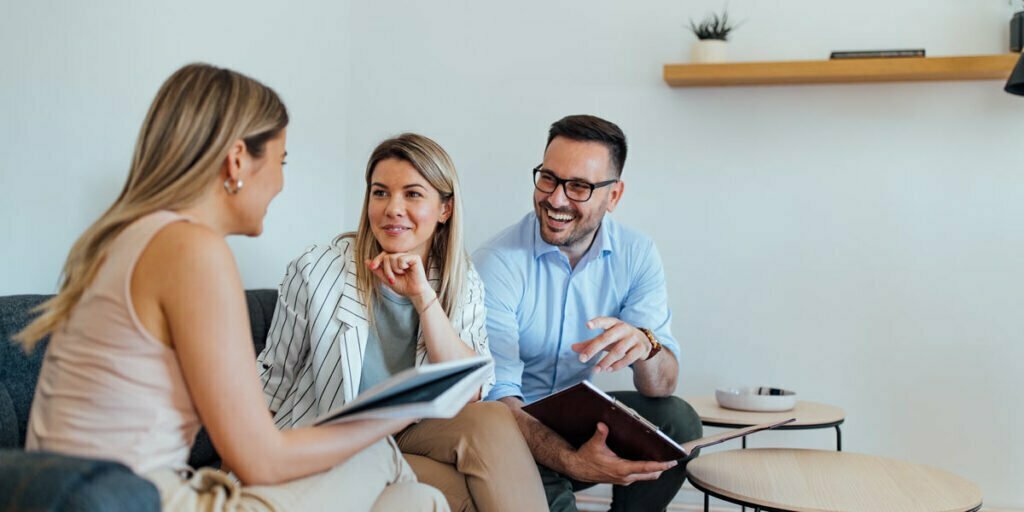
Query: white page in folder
[428,391]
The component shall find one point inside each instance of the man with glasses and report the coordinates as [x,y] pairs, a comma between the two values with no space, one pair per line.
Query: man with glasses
[570,293]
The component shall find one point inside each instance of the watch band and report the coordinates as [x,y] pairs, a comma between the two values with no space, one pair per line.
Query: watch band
[655,345]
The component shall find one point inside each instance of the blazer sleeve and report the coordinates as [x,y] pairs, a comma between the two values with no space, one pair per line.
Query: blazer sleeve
[470,321]
[288,337]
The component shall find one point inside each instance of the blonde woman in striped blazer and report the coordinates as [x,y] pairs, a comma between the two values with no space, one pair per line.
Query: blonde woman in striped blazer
[399,292]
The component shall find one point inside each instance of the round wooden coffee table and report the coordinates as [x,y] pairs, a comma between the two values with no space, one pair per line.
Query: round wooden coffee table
[797,480]
[809,415]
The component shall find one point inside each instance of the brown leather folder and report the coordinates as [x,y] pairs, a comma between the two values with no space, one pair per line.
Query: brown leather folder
[575,411]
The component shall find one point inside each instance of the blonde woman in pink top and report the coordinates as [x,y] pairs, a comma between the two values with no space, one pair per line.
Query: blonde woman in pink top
[150,334]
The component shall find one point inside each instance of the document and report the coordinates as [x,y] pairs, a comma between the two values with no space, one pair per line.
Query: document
[427,391]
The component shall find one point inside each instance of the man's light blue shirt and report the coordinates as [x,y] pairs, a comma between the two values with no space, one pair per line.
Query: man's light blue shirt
[538,306]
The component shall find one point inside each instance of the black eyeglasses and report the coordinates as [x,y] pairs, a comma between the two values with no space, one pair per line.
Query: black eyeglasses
[576,190]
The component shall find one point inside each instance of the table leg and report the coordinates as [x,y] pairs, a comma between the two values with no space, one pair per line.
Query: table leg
[839,439]
[705,502]
[744,438]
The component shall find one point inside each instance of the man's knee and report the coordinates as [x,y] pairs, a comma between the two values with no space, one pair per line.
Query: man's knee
[682,423]
[671,414]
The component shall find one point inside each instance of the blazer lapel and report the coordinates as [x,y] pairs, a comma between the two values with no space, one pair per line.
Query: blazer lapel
[354,331]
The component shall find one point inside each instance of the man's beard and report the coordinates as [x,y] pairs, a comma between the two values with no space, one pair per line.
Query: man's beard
[579,233]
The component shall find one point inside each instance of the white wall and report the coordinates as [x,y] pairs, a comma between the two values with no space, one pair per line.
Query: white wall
[861,244]
[76,79]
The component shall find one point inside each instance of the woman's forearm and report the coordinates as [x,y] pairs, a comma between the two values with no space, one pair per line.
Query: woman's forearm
[301,452]
[443,343]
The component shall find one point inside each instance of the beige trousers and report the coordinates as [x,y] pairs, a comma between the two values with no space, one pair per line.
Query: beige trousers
[376,479]
[478,459]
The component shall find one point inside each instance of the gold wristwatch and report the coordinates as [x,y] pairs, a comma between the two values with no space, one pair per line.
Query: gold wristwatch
[655,345]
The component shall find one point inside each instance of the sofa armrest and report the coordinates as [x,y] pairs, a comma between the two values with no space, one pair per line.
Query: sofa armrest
[49,481]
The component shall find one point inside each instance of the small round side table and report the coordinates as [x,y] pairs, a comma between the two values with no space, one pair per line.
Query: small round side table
[809,415]
[798,480]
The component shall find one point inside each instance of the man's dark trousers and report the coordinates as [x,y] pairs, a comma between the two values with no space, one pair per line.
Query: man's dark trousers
[675,418]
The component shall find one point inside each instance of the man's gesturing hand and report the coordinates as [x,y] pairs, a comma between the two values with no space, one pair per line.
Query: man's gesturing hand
[624,343]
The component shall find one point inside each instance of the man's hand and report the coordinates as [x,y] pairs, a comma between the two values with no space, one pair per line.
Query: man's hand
[624,343]
[592,462]
[595,462]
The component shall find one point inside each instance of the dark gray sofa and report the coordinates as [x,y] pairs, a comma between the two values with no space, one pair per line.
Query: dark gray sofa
[46,481]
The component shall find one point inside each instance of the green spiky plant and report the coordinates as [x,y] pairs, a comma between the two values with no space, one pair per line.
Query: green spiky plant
[713,27]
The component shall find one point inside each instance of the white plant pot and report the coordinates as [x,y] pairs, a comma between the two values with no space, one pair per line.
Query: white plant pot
[709,50]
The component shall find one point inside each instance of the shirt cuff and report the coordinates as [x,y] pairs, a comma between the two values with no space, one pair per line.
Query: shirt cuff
[669,344]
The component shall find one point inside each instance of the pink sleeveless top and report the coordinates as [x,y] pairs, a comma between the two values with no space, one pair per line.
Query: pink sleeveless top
[108,389]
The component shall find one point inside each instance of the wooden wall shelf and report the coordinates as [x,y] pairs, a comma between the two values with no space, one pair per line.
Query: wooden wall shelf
[983,67]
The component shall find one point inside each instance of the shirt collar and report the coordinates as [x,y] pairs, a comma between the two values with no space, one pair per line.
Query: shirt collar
[602,244]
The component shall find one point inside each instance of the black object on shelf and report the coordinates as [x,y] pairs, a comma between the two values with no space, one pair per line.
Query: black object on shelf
[878,54]
[1017,32]
[1015,85]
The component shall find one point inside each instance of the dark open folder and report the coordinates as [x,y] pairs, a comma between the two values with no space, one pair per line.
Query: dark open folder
[575,411]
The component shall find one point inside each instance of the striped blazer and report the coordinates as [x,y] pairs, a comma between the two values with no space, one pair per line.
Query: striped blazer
[313,359]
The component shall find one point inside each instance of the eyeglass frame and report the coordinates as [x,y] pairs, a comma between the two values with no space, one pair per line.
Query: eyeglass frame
[561,182]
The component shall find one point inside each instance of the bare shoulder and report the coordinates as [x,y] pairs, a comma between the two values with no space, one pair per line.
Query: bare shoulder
[184,252]
[181,262]
[184,244]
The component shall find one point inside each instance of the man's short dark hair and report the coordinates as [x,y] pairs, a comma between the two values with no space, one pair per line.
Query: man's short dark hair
[584,128]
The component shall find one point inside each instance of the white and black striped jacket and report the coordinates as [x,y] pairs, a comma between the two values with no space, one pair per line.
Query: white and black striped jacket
[313,359]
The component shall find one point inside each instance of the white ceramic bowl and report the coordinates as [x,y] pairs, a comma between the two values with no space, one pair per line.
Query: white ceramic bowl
[763,399]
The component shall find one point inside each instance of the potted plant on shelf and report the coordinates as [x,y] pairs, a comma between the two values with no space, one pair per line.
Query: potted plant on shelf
[712,38]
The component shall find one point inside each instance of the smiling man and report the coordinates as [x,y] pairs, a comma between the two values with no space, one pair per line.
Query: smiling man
[570,292]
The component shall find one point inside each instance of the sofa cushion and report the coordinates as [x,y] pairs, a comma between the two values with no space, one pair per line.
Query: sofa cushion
[47,481]
[261,311]
[8,421]
[18,370]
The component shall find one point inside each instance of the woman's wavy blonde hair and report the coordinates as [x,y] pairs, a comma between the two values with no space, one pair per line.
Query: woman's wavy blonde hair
[447,252]
[199,112]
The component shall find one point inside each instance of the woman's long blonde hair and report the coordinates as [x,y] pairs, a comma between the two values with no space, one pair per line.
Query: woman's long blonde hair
[199,112]
[434,164]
